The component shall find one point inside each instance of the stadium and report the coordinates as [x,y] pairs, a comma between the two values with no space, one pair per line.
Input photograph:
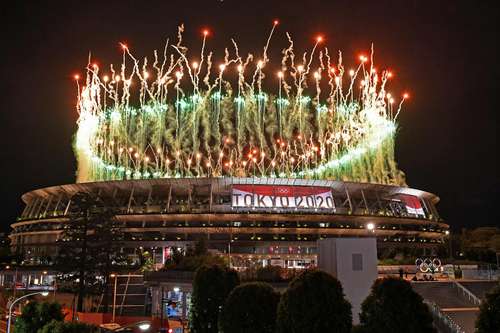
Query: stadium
[268,220]
[260,166]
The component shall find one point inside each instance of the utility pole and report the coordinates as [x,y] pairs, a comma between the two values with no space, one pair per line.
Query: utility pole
[114,297]
[450,250]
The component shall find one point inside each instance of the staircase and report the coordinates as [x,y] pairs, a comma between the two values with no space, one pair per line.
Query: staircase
[479,288]
[444,294]
[453,311]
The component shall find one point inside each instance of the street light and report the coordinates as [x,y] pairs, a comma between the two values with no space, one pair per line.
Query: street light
[450,250]
[141,325]
[114,297]
[43,293]
[144,326]
[370,227]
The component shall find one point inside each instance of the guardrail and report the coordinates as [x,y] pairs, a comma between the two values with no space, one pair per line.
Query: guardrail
[444,318]
[227,208]
[465,292]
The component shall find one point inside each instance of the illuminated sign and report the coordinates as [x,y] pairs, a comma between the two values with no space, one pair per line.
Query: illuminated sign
[412,203]
[282,196]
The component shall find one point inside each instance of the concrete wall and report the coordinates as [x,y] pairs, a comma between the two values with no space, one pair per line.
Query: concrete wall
[353,261]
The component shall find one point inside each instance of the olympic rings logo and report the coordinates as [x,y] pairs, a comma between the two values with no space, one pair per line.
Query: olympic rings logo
[428,265]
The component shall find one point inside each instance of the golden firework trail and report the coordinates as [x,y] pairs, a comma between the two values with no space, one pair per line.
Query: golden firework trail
[176,117]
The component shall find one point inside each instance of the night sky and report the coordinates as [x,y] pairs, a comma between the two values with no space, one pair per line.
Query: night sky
[445,54]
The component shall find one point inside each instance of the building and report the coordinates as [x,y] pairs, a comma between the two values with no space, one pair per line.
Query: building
[266,220]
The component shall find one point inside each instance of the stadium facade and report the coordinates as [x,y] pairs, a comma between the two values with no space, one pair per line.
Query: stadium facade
[251,220]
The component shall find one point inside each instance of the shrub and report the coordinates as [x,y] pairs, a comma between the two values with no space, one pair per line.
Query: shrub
[393,306]
[68,327]
[249,308]
[36,315]
[269,274]
[211,286]
[314,302]
[489,314]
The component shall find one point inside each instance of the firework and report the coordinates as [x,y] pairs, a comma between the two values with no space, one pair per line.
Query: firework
[245,117]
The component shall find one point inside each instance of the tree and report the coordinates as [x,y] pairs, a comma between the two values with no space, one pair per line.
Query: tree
[68,327]
[148,264]
[250,307]
[89,247]
[269,274]
[193,258]
[232,280]
[314,302]
[211,286]
[36,315]
[393,306]
[489,314]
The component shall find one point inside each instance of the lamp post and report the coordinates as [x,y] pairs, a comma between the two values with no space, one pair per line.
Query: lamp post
[229,253]
[43,293]
[450,250]
[114,297]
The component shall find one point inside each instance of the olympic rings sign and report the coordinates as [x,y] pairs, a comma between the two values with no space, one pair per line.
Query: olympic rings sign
[428,265]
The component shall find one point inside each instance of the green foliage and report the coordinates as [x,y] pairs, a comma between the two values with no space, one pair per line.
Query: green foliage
[36,315]
[249,308]
[269,274]
[148,263]
[314,302]
[394,307]
[211,286]
[27,322]
[399,255]
[89,246]
[194,258]
[477,245]
[489,315]
[192,263]
[68,327]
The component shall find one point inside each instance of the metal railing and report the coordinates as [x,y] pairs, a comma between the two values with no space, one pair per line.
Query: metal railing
[443,318]
[466,293]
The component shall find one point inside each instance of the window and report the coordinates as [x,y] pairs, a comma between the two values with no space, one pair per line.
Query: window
[357,262]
